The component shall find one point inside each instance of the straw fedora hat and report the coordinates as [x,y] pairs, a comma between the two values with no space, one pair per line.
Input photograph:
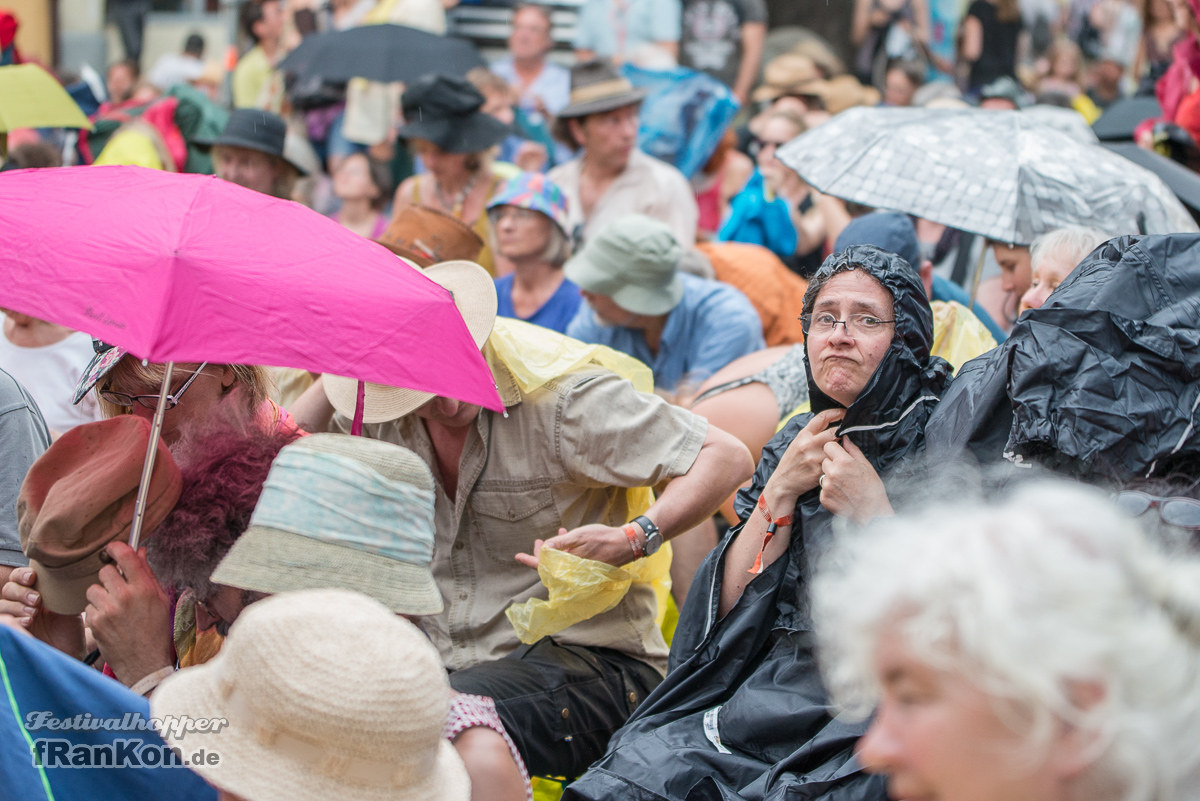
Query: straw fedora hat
[474,294]
[783,73]
[325,694]
[842,92]
[297,540]
[426,236]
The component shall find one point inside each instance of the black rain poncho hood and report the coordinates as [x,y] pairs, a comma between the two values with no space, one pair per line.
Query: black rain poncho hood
[742,713]
[1102,382]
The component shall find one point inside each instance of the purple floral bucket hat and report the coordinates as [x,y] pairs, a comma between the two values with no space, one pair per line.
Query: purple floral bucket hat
[533,190]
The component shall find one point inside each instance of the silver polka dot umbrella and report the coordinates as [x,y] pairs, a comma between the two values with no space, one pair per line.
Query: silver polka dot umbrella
[1002,174]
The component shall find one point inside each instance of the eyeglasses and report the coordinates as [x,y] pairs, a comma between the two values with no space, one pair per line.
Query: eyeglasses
[149,401]
[1181,512]
[826,323]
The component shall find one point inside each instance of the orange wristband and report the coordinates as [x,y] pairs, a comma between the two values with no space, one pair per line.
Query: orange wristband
[631,534]
[773,524]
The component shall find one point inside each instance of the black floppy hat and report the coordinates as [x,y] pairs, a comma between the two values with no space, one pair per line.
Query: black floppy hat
[445,110]
[258,130]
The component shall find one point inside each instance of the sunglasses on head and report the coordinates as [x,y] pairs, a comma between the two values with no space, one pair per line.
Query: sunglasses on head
[1175,511]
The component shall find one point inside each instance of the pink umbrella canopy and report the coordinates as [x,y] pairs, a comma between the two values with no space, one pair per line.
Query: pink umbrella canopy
[179,267]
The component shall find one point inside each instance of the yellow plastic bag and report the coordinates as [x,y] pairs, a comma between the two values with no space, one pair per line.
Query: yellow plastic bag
[536,355]
[137,145]
[958,336]
[580,589]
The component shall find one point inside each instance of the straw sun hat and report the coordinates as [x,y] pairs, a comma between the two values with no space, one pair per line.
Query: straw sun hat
[474,294]
[377,538]
[326,695]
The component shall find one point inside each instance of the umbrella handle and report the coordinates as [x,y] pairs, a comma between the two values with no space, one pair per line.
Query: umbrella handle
[139,507]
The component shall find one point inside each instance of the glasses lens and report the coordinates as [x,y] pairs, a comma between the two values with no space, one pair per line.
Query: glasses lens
[1134,503]
[1182,512]
[99,346]
[150,401]
[116,398]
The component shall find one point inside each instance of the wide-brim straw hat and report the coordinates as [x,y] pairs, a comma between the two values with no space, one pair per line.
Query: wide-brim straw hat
[841,92]
[783,73]
[324,694]
[393,568]
[596,87]
[474,294]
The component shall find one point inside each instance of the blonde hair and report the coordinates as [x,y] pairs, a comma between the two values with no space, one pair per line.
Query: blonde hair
[131,372]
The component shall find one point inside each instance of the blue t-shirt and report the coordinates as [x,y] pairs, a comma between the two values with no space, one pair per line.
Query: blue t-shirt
[712,325]
[555,314]
[607,30]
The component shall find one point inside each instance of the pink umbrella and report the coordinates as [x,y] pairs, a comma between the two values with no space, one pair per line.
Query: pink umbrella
[179,267]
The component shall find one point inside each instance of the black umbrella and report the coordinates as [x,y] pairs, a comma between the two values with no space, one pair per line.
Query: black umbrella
[1178,178]
[1119,120]
[380,53]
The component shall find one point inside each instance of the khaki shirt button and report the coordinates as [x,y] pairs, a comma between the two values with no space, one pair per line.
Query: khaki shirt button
[462,596]
[512,515]
[458,546]
[566,713]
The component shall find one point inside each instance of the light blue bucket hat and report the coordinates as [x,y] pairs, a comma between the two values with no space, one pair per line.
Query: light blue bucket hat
[341,512]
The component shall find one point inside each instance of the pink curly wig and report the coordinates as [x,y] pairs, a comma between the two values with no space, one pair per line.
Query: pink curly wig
[223,473]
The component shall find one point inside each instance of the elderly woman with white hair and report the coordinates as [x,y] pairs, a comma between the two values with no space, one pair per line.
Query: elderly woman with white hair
[1053,256]
[1042,649]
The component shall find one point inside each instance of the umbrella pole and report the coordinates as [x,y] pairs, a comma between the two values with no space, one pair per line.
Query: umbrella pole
[360,403]
[4,145]
[978,273]
[139,507]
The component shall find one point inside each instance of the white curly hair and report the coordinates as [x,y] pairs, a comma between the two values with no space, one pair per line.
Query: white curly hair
[1030,598]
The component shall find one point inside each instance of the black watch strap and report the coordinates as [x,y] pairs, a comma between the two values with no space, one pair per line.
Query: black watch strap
[654,538]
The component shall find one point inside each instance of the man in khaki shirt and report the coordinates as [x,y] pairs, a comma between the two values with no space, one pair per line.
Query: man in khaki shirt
[551,470]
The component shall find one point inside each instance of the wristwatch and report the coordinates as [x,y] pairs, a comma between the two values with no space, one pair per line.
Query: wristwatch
[654,538]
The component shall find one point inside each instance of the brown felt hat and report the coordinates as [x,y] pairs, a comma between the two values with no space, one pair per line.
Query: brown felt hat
[79,496]
[427,236]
